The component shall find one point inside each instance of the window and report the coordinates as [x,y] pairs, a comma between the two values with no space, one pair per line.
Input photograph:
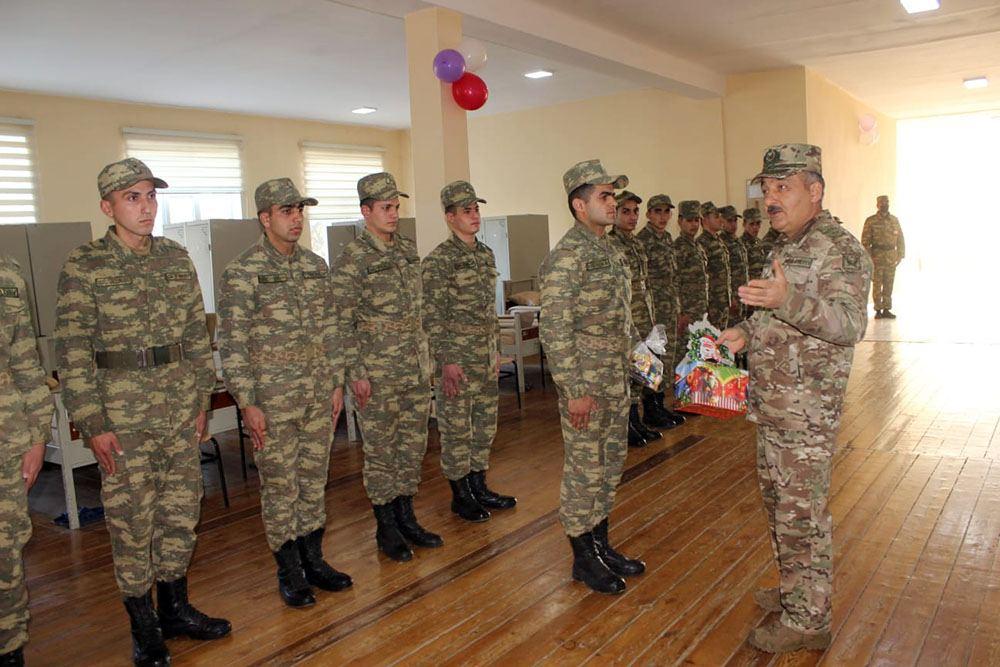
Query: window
[204,172]
[331,176]
[17,173]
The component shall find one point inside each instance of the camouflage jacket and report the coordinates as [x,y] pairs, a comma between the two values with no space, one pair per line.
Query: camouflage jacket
[25,404]
[882,237]
[114,299]
[378,295]
[276,333]
[738,262]
[767,243]
[586,321]
[800,353]
[756,257]
[460,312]
[662,270]
[638,265]
[692,277]
[717,268]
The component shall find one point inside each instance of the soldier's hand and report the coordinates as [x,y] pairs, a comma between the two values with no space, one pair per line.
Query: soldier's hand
[201,426]
[452,377]
[769,293]
[733,338]
[362,390]
[336,405]
[498,365]
[31,463]
[254,419]
[580,410]
[103,445]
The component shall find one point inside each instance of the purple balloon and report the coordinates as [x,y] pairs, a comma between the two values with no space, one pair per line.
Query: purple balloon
[449,65]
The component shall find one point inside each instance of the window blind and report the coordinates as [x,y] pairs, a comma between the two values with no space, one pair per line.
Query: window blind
[17,173]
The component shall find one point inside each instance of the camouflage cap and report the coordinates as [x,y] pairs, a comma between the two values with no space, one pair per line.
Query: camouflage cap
[783,160]
[659,201]
[689,209]
[625,195]
[459,193]
[728,212]
[125,173]
[590,172]
[708,208]
[751,215]
[380,187]
[279,192]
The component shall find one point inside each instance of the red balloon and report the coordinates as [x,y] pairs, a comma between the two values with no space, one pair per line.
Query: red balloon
[470,92]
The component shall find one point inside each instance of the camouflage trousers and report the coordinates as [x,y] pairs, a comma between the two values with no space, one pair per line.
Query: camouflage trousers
[293,467]
[593,459]
[793,469]
[394,433]
[468,424]
[883,277]
[152,505]
[15,530]
[718,315]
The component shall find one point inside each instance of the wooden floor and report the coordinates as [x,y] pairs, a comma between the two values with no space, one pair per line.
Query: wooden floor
[916,504]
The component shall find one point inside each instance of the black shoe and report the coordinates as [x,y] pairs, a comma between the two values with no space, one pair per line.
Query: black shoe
[318,572]
[590,569]
[888,314]
[13,659]
[148,649]
[390,541]
[641,427]
[406,521]
[654,414]
[635,438]
[292,584]
[617,563]
[677,417]
[486,496]
[878,315]
[178,617]
[464,504]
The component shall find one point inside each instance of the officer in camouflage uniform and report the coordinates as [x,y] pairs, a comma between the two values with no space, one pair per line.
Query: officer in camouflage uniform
[25,419]
[276,340]
[738,262]
[378,294]
[717,266]
[460,319]
[811,311]
[137,374]
[882,237]
[587,330]
[756,256]
[659,247]
[768,242]
[691,279]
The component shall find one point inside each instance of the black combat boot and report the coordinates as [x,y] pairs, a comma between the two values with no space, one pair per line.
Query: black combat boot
[178,617]
[590,569]
[406,521]
[14,658]
[148,649]
[653,412]
[617,563]
[642,426]
[390,541]
[318,571]
[635,438]
[878,315]
[672,418]
[486,496]
[292,584]
[638,434]
[888,314]
[464,504]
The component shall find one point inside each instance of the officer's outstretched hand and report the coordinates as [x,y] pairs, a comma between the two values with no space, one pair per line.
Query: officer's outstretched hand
[770,293]
[336,405]
[103,445]
[452,377]
[733,338]
[580,410]
[362,390]
[254,419]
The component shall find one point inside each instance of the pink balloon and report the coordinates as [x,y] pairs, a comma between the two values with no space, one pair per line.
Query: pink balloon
[867,122]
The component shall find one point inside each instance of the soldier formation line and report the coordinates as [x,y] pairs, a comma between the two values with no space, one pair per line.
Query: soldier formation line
[136,368]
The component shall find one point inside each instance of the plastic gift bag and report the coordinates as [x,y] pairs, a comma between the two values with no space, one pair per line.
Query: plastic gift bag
[645,366]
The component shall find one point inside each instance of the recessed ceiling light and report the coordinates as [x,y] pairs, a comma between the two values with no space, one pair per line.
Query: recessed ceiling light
[976,82]
[538,74]
[361,111]
[917,6]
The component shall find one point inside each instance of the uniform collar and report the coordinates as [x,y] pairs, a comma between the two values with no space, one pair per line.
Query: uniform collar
[273,252]
[454,240]
[821,218]
[119,248]
[583,232]
[378,243]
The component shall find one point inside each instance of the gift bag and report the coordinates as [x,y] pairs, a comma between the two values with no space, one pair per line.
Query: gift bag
[707,380]
[645,366]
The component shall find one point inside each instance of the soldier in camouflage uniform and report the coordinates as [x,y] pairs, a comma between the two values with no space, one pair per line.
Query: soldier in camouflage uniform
[587,331]
[717,266]
[738,262]
[882,237]
[378,294]
[137,374]
[460,319]
[659,247]
[756,256]
[276,340]
[691,279]
[811,311]
[25,419]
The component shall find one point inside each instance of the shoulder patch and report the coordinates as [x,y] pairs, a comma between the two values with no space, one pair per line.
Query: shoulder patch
[851,260]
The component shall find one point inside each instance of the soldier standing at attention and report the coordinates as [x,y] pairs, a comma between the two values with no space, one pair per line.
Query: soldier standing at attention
[587,331]
[276,340]
[460,319]
[692,274]
[768,242]
[756,257]
[812,304]
[378,295]
[882,237]
[25,418]
[717,266]
[738,269]
[659,247]
[137,373]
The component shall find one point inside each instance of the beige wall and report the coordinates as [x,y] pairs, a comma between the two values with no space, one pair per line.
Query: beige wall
[75,138]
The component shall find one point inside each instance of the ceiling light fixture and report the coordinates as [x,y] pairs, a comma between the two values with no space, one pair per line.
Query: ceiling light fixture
[538,74]
[918,6]
[362,111]
[976,82]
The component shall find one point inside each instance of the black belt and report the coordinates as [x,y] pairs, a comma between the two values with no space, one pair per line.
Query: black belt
[138,359]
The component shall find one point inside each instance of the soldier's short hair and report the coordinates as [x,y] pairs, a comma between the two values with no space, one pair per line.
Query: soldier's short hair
[810,177]
[451,208]
[582,192]
[368,201]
